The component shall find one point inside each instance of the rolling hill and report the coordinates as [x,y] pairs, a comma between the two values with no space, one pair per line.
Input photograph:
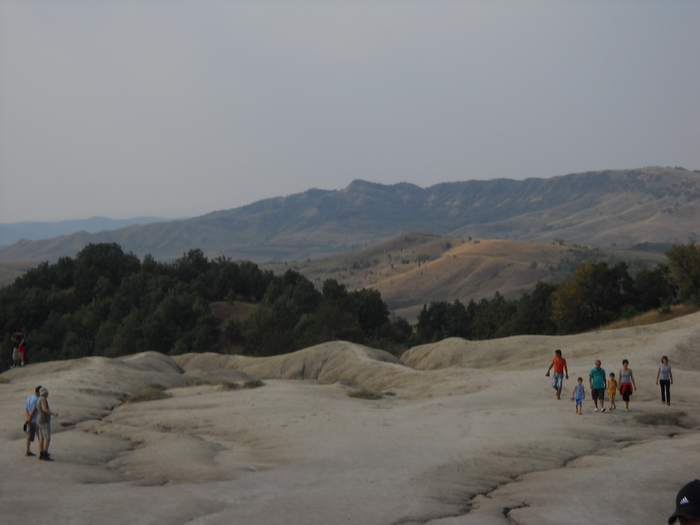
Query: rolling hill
[416,268]
[10,270]
[620,208]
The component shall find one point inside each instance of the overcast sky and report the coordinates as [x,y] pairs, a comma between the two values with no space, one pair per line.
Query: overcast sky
[170,108]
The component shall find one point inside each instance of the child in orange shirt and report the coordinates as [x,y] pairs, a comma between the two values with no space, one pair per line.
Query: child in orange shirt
[612,390]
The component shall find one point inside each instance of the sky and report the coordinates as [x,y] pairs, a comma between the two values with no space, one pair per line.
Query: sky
[178,108]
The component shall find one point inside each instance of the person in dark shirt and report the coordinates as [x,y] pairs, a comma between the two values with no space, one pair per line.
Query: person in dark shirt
[687,505]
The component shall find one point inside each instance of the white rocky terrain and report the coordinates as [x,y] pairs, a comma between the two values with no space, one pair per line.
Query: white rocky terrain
[470,432]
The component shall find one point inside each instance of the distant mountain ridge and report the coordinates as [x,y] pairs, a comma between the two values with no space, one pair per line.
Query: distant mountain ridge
[622,208]
[13,232]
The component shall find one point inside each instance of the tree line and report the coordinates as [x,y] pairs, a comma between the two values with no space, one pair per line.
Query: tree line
[105,302]
[596,295]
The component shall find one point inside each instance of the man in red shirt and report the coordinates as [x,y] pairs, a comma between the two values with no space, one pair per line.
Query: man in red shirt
[559,364]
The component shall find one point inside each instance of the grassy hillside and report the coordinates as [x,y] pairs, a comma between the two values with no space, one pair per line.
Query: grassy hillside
[10,270]
[415,268]
[654,317]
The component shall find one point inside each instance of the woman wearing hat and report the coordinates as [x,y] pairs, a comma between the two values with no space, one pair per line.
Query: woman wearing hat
[43,424]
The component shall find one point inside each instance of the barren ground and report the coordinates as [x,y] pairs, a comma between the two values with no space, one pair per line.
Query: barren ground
[472,434]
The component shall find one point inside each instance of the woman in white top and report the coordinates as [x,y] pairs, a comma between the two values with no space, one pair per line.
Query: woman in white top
[664,377]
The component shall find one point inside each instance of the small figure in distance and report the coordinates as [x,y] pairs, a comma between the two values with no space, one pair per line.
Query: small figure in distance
[597,382]
[579,394]
[612,390]
[43,424]
[627,384]
[559,364]
[30,423]
[687,505]
[21,343]
[664,377]
[15,350]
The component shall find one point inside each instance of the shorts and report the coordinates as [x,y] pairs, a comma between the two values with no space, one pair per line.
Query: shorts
[43,430]
[579,400]
[31,431]
[626,391]
[557,381]
[611,394]
[598,393]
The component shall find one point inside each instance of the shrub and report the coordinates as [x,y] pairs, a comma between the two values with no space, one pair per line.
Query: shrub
[665,308]
[154,393]
[363,393]
[253,383]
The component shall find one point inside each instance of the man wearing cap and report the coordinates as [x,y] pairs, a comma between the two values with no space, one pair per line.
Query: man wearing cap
[43,424]
[30,424]
[687,505]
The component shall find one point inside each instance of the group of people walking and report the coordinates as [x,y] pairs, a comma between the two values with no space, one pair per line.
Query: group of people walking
[38,423]
[601,385]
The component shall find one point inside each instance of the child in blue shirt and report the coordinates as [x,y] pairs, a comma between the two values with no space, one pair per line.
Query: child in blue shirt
[579,394]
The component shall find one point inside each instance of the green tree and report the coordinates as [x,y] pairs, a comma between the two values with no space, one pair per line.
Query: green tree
[105,260]
[441,320]
[432,322]
[652,288]
[370,311]
[684,270]
[595,295]
[265,335]
[191,265]
[533,312]
[494,318]
[331,322]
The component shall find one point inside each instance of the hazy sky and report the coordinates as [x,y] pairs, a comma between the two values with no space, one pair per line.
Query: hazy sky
[175,108]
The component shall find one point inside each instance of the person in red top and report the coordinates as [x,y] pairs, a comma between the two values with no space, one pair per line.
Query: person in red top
[20,343]
[559,365]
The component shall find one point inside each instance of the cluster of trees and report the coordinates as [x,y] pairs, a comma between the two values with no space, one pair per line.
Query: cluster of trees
[106,302]
[684,270]
[487,319]
[597,294]
[294,315]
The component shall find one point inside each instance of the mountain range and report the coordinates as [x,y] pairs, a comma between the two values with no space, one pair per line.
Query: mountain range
[643,207]
[13,232]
